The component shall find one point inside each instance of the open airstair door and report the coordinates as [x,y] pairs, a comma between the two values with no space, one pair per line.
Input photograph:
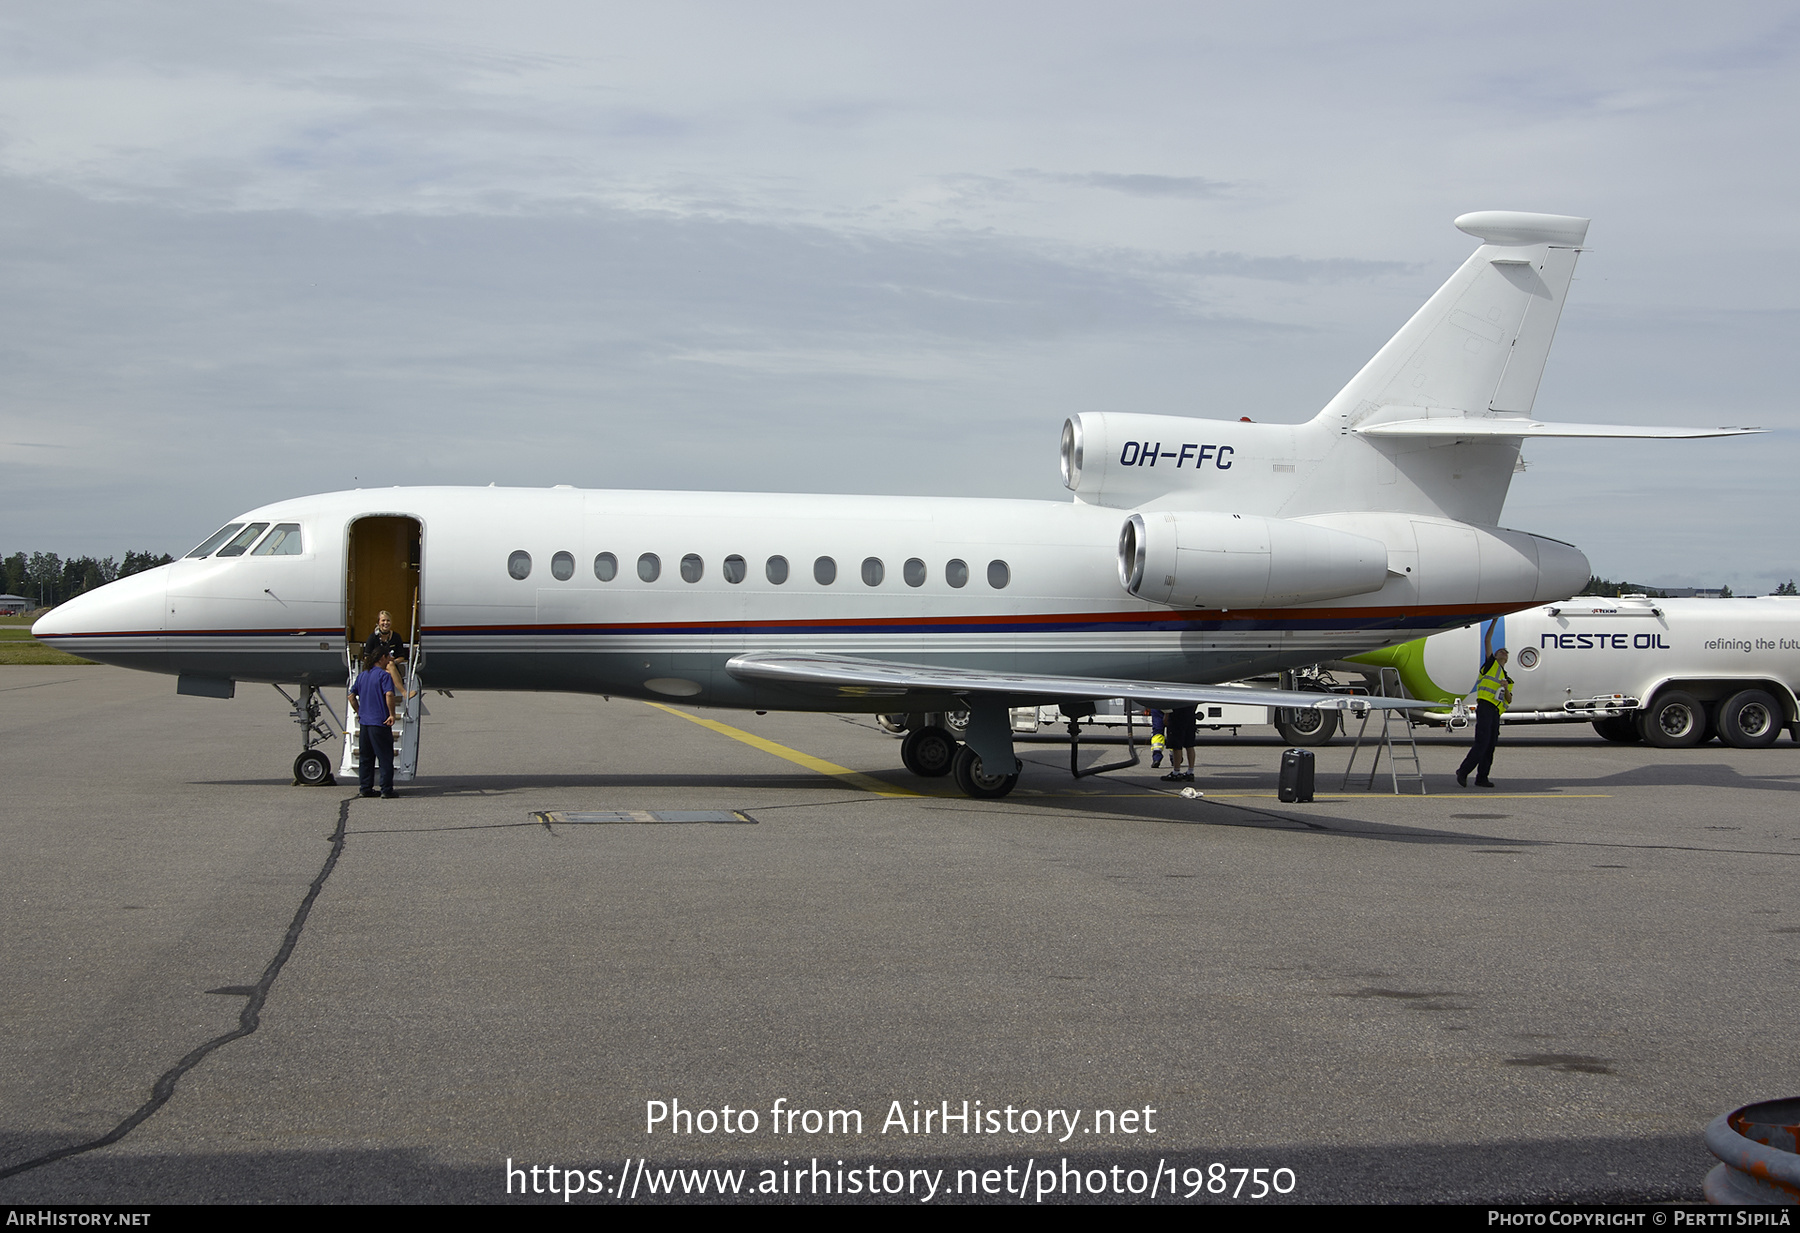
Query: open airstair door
[383,573]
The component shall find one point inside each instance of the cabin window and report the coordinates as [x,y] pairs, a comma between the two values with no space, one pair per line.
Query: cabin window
[215,539]
[606,567]
[243,539]
[873,571]
[998,575]
[914,572]
[824,571]
[692,568]
[562,566]
[283,541]
[649,567]
[956,573]
[776,570]
[735,569]
[519,565]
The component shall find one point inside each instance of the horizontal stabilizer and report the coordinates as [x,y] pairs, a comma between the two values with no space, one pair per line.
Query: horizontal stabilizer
[1515,227]
[862,678]
[1503,426]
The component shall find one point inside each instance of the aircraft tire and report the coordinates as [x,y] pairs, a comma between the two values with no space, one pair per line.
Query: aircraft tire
[312,769]
[974,783]
[928,752]
[1306,726]
[1750,720]
[1621,728]
[1674,720]
[894,725]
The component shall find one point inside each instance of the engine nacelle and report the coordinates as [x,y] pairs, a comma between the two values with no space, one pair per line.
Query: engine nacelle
[1217,560]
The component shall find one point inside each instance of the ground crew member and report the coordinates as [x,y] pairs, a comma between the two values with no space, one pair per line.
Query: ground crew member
[1181,728]
[373,697]
[1493,694]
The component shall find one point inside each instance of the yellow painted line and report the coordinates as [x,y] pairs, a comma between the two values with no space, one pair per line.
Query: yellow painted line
[1348,796]
[1434,796]
[854,779]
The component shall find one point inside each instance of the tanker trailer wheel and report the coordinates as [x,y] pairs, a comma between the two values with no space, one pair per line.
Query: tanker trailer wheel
[1306,725]
[1750,720]
[928,752]
[1621,728]
[1674,720]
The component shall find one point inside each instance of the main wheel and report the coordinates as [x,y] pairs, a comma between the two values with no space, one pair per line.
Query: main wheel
[1306,725]
[957,722]
[928,752]
[977,783]
[1750,720]
[1673,720]
[894,724]
[1621,728]
[312,768]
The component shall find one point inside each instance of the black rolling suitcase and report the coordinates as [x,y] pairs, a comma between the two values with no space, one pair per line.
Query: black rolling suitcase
[1296,776]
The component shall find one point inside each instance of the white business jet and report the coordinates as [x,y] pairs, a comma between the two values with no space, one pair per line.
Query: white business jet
[1195,551]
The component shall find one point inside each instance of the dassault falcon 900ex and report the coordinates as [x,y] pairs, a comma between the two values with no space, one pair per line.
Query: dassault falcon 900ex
[1195,551]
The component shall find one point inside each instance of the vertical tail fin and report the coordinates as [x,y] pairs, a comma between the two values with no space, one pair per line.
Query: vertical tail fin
[1477,348]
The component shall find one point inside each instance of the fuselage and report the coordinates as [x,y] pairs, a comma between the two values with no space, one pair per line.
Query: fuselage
[650,593]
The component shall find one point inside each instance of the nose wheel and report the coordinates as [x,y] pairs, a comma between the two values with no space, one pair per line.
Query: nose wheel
[312,769]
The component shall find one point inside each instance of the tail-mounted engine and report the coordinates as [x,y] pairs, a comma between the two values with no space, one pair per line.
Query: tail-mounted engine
[1217,560]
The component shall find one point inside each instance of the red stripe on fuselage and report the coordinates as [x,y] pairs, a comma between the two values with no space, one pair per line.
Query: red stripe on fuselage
[1194,617]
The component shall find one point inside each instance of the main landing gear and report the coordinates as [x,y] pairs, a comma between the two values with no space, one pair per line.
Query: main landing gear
[975,781]
[312,769]
[931,749]
[928,752]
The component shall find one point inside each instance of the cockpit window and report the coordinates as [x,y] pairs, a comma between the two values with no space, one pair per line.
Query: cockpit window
[283,541]
[243,539]
[218,537]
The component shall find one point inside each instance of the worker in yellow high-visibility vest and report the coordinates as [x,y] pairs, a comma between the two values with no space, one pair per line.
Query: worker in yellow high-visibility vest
[1493,693]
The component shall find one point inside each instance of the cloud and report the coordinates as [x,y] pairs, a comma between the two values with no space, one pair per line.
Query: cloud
[1288,269]
[884,248]
[1134,185]
[211,355]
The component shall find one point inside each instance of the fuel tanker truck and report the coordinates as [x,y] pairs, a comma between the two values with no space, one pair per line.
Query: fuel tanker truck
[1673,672]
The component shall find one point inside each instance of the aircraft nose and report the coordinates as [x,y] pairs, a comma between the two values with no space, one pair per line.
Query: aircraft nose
[131,605]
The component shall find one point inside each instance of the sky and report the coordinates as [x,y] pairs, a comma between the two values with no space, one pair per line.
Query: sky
[256,250]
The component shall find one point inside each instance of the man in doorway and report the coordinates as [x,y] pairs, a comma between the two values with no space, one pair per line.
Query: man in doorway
[373,697]
[385,638]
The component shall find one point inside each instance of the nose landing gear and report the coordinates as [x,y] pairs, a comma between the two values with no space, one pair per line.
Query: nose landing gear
[312,768]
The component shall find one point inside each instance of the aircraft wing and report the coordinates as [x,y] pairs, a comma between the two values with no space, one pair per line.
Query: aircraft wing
[1500,426]
[850,677]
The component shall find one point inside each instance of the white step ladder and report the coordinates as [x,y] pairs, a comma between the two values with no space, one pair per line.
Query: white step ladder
[1407,751]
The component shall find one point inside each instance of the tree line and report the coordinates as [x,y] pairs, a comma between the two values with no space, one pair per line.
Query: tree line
[1597,585]
[1600,586]
[49,580]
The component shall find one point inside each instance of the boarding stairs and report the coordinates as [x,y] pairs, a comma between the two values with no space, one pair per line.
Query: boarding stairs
[409,711]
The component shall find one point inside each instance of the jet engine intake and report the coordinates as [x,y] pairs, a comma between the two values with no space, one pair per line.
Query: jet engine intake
[1218,560]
